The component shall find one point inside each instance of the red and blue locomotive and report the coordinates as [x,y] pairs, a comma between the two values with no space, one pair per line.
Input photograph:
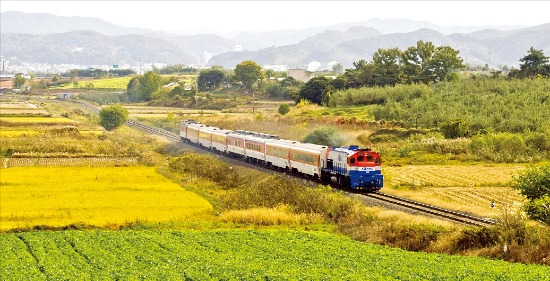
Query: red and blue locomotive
[350,167]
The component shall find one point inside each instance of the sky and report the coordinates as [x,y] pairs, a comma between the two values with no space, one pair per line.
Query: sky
[232,16]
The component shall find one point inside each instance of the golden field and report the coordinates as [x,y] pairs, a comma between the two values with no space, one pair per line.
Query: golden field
[35,120]
[99,196]
[469,188]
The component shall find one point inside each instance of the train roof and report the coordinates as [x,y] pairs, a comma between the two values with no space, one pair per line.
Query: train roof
[300,145]
[247,137]
[257,134]
[349,150]
[215,130]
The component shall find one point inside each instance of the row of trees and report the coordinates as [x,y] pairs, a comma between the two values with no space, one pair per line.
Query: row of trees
[534,64]
[423,64]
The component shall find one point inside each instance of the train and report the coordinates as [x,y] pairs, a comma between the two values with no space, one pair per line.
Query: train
[348,166]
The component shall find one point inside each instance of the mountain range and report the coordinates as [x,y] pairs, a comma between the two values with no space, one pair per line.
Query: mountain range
[47,38]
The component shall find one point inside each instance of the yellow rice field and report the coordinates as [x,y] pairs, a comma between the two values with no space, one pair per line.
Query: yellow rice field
[100,196]
[46,120]
[28,132]
[468,188]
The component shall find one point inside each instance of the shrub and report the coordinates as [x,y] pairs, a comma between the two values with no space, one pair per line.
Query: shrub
[324,136]
[454,129]
[473,238]
[535,185]
[275,190]
[112,117]
[207,167]
[284,109]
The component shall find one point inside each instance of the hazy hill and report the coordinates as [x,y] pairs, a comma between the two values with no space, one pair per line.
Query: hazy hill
[37,23]
[88,47]
[491,46]
[46,38]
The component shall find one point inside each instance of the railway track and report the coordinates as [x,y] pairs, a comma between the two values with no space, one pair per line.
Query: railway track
[399,201]
[432,210]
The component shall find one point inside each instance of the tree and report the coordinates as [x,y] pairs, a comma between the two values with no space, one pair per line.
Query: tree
[387,69]
[177,93]
[134,89]
[444,63]
[150,82]
[284,109]
[415,63]
[324,136]
[534,184]
[210,79]
[248,72]
[534,63]
[19,81]
[315,90]
[142,88]
[111,117]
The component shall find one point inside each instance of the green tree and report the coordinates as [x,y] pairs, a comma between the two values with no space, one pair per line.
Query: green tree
[177,92]
[445,63]
[111,117]
[324,136]
[19,81]
[534,63]
[534,184]
[415,63]
[210,79]
[150,82]
[134,89]
[284,109]
[315,90]
[248,72]
[269,73]
[387,67]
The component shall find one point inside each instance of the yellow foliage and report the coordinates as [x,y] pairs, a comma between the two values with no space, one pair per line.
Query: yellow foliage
[100,196]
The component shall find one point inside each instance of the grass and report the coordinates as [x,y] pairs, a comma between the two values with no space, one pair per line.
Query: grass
[99,196]
[269,216]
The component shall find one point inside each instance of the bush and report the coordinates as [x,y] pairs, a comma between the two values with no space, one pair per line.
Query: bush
[207,167]
[539,209]
[324,136]
[284,109]
[112,117]
[535,185]
[275,190]
[476,238]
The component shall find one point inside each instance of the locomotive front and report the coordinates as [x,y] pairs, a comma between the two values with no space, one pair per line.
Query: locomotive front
[355,168]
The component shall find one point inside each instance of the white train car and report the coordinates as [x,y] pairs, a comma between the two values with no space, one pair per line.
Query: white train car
[277,154]
[189,131]
[235,144]
[254,148]
[219,139]
[307,158]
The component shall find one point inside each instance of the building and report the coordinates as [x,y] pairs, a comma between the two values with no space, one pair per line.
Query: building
[298,74]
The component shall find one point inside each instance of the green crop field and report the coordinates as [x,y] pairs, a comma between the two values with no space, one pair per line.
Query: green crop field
[233,255]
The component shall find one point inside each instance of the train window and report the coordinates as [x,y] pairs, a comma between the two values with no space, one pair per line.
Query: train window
[352,160]
[360,158]
[377,160]
[369,158]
